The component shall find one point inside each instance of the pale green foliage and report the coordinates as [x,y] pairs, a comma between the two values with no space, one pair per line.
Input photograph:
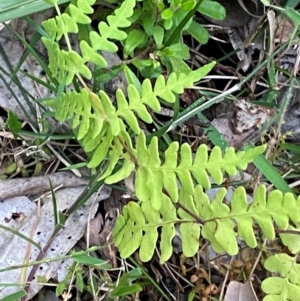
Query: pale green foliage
[179,164]
[214,220]
[98,121]
[287,286]
[292,241]
[169,185]
[64,65]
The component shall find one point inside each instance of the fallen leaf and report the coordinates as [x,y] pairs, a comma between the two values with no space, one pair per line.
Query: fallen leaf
[237,291]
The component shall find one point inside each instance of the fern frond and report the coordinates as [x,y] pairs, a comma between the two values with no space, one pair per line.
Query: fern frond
[181,165]
[175,84]
[111,29]
[96,121]
[69,63]
[82,109]
[215,221]
[107,32]
[287,286]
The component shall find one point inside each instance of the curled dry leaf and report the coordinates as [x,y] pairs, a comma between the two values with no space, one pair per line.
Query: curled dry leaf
[224,126]
[284,29]
[249,116]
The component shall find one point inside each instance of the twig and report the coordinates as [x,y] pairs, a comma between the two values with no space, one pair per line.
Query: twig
[36,185]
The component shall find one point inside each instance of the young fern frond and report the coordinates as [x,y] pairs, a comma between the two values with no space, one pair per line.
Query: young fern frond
[179,164]
[111,29]
[64,65]
[64,24]
[199,217]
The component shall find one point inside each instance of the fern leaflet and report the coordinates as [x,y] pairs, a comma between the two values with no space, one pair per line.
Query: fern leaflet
[287,286]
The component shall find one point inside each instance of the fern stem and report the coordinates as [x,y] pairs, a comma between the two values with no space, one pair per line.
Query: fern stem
[65,35]
[155,284]
[198,220]
[141,55]
[133,157]
[95,101]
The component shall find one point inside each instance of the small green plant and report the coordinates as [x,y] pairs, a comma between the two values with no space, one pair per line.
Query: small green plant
[168,184]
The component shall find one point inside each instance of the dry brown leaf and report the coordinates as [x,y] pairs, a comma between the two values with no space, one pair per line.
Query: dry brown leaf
[237,291]
[284,29]
[249,116]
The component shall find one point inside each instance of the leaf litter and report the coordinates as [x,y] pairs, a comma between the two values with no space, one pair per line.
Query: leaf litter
[14,248]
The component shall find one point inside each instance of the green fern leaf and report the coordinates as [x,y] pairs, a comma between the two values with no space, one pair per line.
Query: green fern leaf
[59,26]
[258,206]
[170,179]
[123,173]
[168,215]
[65,64]
[189,171]
[101,151]
[77,107]
[151,98]
[264,211]
[125,111]
[141,190]
[91,141]
[89,55]
[239,204]
[190,231]
[74,64]
[175,84]
[86,6]
[150,237]
[291,240]
[79,12]
[182,172]
[128,228]
[287,286]
[92,114]
[56,59]
[153,178]
[113,156]
[219,221]
[134,103]
[69,63]
[128,231]
[111,30]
